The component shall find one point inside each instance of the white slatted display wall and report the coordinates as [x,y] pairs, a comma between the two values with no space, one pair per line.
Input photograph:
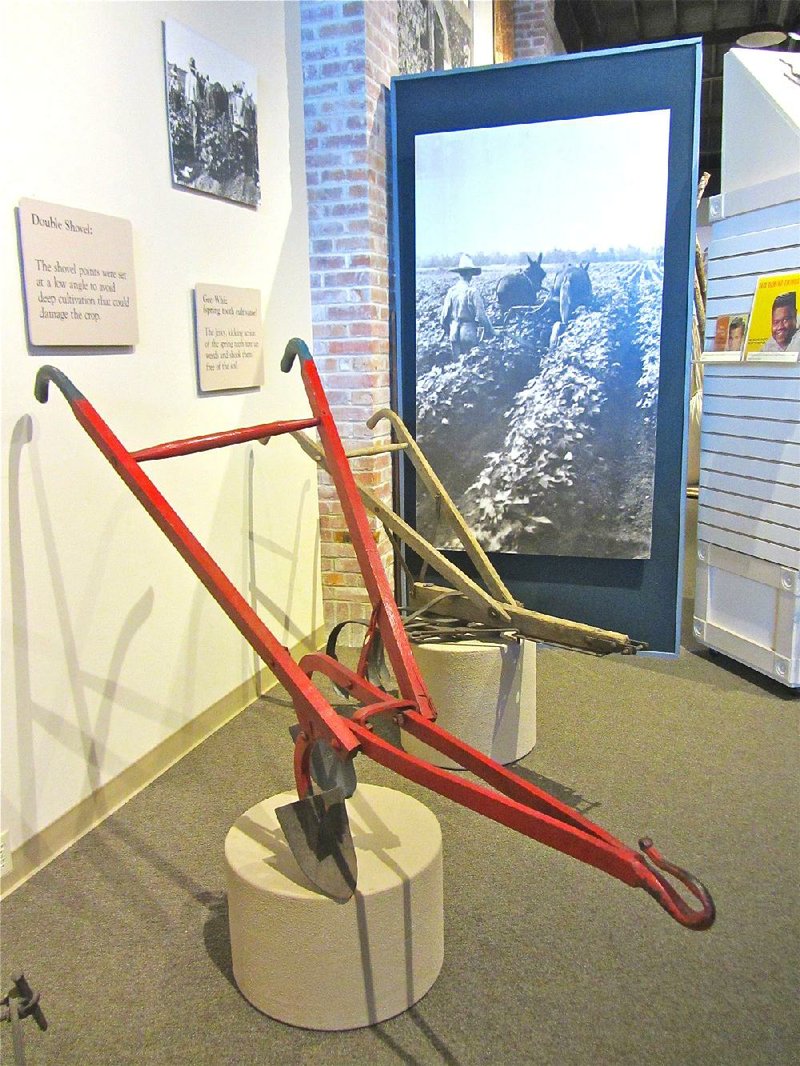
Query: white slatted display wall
[747,602]
[743,247]
[750,460]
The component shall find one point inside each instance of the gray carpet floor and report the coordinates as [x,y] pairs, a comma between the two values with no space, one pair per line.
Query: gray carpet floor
[547,961]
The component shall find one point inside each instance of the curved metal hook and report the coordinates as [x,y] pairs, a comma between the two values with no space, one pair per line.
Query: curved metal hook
[666,895]
[295,347]
[45,375]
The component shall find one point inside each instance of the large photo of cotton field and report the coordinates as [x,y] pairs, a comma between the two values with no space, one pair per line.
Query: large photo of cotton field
[539,284]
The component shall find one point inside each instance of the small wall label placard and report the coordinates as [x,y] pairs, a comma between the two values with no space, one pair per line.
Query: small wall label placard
[78,273]
[229,337]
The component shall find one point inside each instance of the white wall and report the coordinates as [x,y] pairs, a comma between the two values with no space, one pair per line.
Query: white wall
[760,119]
[109,643]
[482,33]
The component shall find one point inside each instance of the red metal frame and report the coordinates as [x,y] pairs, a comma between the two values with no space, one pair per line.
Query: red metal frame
[510,800]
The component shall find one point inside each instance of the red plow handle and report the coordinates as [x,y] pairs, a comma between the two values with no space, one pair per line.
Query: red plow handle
[511,801]
[316,716]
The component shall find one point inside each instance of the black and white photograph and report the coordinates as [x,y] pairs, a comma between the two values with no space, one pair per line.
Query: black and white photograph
[211,110]
[433,35]
[539,281]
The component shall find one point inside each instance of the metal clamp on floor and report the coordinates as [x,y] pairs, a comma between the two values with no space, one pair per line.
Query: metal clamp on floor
[21,1002]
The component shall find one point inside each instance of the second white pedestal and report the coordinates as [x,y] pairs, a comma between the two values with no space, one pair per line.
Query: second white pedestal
[303,958]
[484,693]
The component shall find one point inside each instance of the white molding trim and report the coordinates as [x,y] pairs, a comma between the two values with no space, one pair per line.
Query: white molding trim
[49,843]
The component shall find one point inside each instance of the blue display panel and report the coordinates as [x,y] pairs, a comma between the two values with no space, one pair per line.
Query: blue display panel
[544,259]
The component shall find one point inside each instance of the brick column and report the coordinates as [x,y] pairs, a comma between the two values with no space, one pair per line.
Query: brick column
[535,32]
[349,53]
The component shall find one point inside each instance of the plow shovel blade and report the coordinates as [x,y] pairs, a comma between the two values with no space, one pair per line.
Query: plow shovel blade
[317,831]
[327,770]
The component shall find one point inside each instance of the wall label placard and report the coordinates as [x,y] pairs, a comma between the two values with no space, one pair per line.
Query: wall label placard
[78,274]
[229,337]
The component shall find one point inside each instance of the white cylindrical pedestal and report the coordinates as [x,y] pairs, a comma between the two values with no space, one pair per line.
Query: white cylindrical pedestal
[303,958]
[484,693]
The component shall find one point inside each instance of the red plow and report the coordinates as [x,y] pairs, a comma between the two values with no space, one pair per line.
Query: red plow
[326,742]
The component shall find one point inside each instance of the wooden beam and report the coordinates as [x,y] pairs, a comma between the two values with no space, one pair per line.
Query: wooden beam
[503,30]
[449,571]
[467,600]
[530,624]
[429,478]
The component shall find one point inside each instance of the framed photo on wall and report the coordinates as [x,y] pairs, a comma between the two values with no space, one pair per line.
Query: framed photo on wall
[212,117]
[544,231]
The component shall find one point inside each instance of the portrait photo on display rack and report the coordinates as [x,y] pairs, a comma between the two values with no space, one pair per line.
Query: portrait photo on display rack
[212,117]
[729,333]
[774,335]
[537,364]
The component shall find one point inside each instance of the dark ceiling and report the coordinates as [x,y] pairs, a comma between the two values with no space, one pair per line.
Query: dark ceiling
[586,25]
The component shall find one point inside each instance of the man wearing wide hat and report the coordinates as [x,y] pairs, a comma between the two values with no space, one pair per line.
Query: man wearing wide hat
[463,311]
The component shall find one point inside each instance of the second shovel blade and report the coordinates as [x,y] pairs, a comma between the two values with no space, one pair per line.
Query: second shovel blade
[328,771]
[317,831]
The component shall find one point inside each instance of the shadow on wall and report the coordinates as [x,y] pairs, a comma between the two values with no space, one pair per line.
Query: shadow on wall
[80,720]
[87,735]
[258,597]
